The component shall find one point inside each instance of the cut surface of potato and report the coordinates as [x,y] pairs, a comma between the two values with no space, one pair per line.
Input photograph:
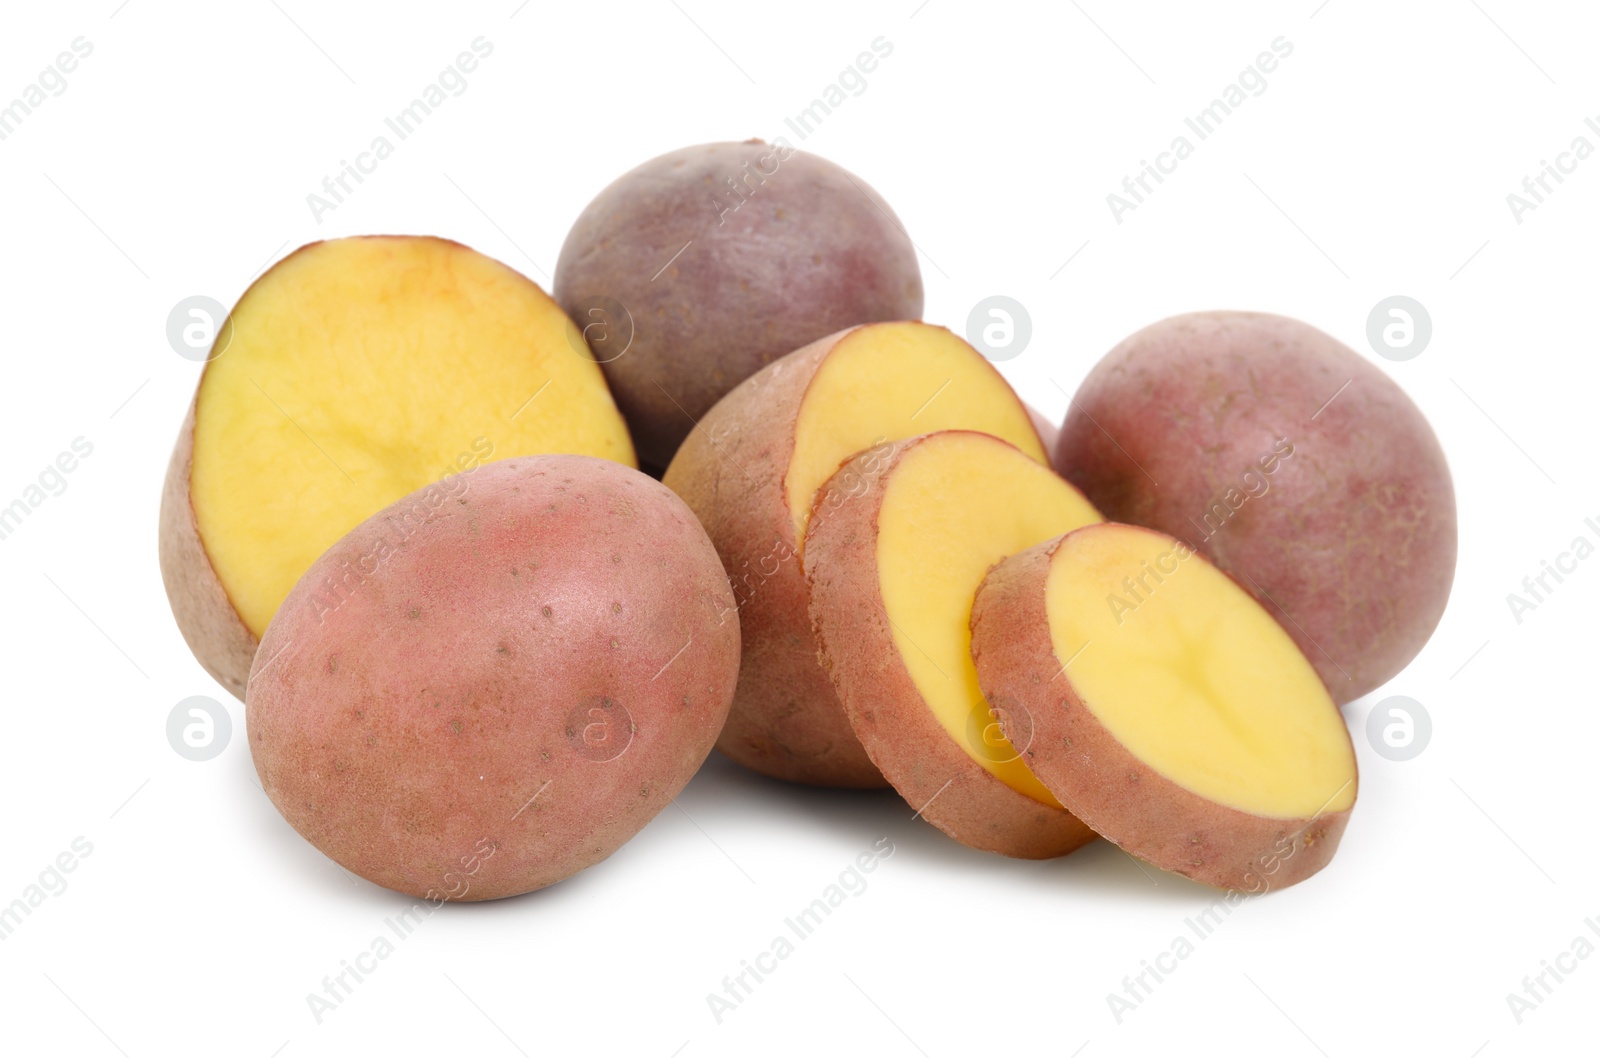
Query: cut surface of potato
[1166,707]
[357,371]
[1197,679]
[893,566]
[888,382]
[954,508]
[750,472]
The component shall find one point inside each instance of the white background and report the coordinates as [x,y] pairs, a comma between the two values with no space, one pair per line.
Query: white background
[1377,162]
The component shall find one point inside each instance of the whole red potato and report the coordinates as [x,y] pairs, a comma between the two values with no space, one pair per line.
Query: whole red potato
[1293,463]
[693,271]
[498,680]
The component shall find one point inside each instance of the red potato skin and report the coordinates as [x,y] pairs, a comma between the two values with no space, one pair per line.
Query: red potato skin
[786,720]
[215,632]
[1352,548]
[929,769]
[808,250]
[1097,778]
[434,731]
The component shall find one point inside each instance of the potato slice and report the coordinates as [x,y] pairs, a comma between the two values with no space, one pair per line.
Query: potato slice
[750,473]
[1167,709]
[355,371]
[899,541]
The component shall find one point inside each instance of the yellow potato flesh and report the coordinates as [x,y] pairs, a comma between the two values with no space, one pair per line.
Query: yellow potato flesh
[957,504]
[358,371]
[1194,677]
[889,381]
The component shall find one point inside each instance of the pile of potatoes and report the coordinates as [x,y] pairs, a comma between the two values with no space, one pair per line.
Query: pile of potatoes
[479,649]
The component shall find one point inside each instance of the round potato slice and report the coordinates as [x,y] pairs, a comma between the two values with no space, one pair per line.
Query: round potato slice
[1165,707]
[899,540]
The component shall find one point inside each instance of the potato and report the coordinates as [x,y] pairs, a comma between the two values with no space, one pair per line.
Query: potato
[351,373]
[1290,462]
[750,473]
[1165,707]
[698,268]
[495,682]
[1048,431]
[897,546]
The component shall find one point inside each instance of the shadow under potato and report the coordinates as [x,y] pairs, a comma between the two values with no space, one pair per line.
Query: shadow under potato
[724,797]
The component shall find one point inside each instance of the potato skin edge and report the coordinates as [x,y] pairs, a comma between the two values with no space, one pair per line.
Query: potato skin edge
[206,617]
[929,769]
[785,705]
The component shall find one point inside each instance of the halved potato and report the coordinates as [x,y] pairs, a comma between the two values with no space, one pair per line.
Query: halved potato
[898,542]
[750,472]
[356,371]
[1166,708]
